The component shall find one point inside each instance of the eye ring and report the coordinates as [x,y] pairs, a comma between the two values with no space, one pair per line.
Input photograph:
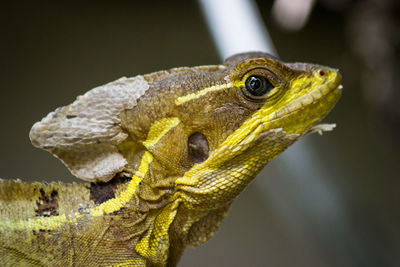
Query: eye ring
[258,86]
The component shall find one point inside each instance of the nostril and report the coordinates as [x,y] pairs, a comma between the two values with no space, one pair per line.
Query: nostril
[321,72]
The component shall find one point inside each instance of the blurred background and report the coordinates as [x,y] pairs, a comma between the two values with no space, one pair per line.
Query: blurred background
[345,215]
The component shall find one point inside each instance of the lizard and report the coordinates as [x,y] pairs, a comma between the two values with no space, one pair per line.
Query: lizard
[163,156]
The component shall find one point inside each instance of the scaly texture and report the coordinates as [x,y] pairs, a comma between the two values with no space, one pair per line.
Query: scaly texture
[180,145]
[84,134]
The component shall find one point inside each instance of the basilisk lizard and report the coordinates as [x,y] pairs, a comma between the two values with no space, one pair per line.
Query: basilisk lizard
[165,154]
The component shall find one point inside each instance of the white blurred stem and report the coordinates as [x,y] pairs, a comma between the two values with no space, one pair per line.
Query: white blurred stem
[292,14]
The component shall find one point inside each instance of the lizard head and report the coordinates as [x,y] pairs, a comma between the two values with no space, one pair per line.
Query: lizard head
[262,106]
[204,131]
[192,136]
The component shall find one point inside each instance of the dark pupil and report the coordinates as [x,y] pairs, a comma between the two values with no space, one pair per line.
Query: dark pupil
[255,83]
[258,86]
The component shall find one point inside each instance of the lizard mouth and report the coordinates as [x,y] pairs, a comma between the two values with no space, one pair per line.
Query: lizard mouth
[300,114]
[304,106]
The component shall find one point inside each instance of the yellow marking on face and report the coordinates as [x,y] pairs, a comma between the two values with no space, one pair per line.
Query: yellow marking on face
[159,129]
[183,99]
[250,130]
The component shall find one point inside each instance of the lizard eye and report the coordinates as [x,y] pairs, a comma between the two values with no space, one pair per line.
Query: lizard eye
[258,86]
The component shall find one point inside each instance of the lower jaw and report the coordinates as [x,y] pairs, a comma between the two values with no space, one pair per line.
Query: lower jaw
[301,120]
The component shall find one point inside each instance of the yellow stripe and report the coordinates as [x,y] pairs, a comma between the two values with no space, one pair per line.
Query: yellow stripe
[38,223]
[155,241]
[156,132]
[115,204]
[183,99]
[133,262]
[159,129]
[250,130]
